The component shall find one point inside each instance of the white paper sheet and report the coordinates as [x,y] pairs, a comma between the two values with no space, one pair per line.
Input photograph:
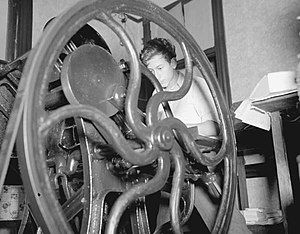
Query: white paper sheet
[271,85]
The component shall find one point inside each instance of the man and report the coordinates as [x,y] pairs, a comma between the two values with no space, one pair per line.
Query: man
[195,109]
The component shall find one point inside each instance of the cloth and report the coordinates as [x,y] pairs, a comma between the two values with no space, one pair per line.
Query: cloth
[195,107]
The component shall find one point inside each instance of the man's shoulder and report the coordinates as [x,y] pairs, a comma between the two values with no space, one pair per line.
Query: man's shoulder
[195,80]
[200,84]
[200,80]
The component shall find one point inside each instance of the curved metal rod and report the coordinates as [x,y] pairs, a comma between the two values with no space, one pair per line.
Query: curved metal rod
[131,101]
[177,183]
[73,205]
[227,202]
[167,227]
[165,105]
[176,124]
[157,87]
[88,186]
[191,197]
[109,128]
[159,97]
[139,190]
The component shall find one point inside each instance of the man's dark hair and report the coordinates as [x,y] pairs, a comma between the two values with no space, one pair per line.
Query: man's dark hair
[158,46]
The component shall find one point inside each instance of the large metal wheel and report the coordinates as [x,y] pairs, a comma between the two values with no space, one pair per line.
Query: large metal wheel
[155,136]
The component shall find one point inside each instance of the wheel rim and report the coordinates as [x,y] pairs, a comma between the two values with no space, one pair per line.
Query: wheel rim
[39,65]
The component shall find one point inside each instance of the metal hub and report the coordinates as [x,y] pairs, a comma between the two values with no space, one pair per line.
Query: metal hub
[90,76]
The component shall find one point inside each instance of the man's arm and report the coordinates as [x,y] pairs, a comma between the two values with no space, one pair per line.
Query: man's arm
[208,128]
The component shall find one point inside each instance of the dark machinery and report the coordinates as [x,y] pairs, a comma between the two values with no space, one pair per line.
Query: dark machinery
[89,158]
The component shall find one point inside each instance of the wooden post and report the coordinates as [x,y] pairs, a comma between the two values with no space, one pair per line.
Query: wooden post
[19,28]
[283,172]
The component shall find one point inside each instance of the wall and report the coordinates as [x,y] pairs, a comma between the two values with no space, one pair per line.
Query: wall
[261,37]
[43,11]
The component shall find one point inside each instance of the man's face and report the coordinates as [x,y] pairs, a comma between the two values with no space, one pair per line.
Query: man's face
[162,69]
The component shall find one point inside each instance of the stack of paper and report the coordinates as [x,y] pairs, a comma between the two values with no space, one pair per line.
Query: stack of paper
[271,85]
[262,216]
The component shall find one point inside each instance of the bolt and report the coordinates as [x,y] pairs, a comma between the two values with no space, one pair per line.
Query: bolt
[164,137]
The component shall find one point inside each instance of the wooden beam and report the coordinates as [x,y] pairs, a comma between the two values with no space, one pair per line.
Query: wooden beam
[146,31]
[220,49]
[19,28]
[282,167]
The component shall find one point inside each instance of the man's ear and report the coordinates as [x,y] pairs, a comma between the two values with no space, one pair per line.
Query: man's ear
[173,63]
